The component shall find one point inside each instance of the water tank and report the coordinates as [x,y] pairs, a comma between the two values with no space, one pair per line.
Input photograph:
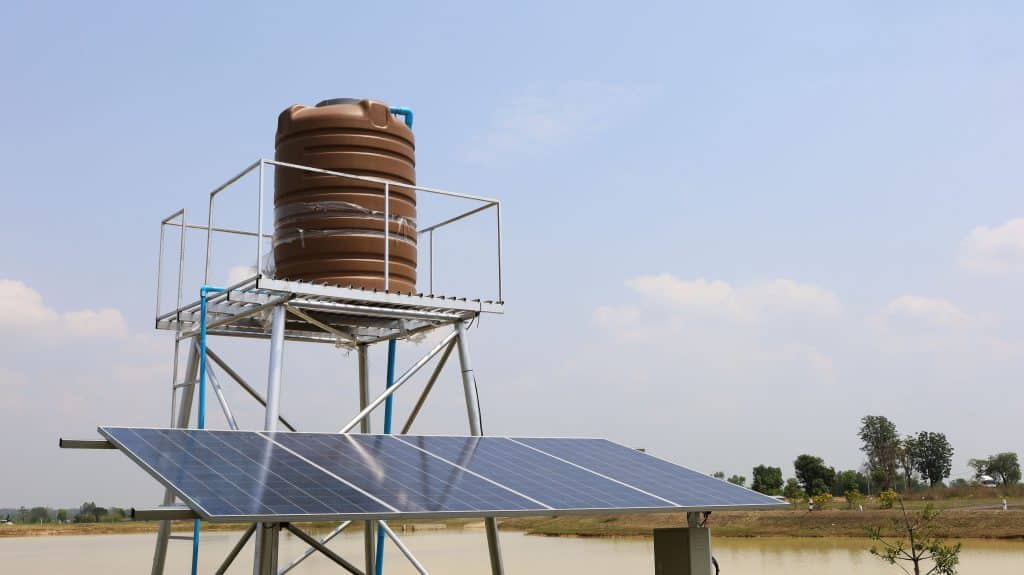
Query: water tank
[329,229]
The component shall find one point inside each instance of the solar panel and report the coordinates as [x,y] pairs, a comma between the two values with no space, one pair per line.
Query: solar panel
[398,473]
[255,476]
[684,487]
[232,474]
[536,474]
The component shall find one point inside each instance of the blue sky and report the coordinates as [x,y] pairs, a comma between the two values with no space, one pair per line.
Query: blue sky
[731,229]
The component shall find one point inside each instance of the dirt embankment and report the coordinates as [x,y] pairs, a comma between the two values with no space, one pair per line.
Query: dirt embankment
[951,523]
[954,523]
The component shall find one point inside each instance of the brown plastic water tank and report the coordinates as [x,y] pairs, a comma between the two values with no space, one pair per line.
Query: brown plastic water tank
[329,229]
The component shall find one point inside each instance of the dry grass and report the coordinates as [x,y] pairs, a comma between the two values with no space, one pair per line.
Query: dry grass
[972,515]
[952,523]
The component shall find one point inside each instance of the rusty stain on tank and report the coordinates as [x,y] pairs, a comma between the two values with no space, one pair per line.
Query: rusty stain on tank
[329,229]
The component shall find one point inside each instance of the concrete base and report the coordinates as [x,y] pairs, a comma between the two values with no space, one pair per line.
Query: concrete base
[682,551]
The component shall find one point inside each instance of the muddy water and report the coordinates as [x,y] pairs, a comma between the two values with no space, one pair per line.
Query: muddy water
[464,552]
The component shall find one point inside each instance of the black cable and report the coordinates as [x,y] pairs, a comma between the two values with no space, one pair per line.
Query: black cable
[479,412]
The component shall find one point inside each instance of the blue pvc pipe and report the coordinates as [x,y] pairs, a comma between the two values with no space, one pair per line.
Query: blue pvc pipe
[403,112]
[201,416]
[388,407]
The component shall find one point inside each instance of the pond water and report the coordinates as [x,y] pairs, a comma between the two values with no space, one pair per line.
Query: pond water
[464,552]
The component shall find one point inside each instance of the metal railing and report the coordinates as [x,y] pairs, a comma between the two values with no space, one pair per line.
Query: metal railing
[179,220]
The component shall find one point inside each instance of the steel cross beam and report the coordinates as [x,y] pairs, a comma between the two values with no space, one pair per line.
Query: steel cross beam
[242,383]
[310,550]
[399,382]
[426,390]
[401,547]
[322,549]
[236,549]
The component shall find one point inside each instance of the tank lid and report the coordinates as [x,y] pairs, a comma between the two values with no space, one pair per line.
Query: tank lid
[336,101]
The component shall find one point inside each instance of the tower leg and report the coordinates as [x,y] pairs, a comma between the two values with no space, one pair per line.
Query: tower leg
[369,527]
[476,428]
[183,414]
[266,549]
[265,562]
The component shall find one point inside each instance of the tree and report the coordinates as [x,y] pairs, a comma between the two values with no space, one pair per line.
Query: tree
[814,476]
[89,513]
[767,480]
[881,444]
[853,499]
[906,454]
[1003,467]
[845,482]
[792,491]
[718,475]
[920,548]
[39,515]
[932,456]
[62,515]
[737,480]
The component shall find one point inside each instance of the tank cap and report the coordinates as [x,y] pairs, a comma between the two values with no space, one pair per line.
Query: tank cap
[336,101]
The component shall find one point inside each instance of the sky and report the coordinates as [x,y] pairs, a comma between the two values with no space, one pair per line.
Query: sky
[731,230]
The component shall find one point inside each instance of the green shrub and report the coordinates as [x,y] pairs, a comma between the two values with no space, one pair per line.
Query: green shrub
[888,498]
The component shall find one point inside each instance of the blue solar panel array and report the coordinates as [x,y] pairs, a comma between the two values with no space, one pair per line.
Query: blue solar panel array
[243,475]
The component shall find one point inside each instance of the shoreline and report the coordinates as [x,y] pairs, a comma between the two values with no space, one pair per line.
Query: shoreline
[960,524]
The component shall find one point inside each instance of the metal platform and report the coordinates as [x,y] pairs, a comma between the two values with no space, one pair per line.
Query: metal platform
[317,312]
[323,313]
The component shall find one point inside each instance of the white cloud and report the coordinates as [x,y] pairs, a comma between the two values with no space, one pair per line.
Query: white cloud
[732,327]
[746,303]
[927,310]
[995,250]
[89,323]
[12,389]
[240,273]
[535,124]
[22,307]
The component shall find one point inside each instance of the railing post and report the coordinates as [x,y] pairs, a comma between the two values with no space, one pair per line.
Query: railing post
[259,228]
[387,230]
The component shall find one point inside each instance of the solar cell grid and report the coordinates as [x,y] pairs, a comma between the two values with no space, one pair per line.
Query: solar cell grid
[227,473]
[683,486]
[400,474]
[535,474]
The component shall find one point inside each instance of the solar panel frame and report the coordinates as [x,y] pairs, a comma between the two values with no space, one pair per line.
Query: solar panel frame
[398,513]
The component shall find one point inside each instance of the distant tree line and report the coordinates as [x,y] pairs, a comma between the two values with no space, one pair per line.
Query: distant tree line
[88,512]
[893,464]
